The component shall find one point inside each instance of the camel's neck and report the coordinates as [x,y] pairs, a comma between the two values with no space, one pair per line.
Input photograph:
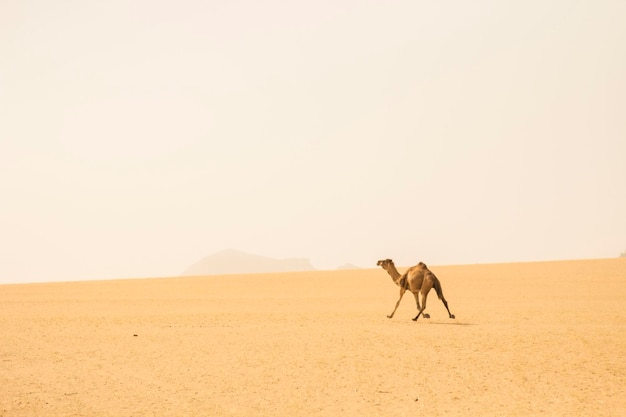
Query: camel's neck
[393,272]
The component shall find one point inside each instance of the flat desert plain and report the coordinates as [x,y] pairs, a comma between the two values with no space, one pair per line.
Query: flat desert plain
[529,339]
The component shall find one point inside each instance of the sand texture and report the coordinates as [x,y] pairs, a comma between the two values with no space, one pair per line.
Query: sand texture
[529,339]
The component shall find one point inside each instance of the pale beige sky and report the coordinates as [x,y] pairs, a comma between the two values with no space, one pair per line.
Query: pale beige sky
[137,137]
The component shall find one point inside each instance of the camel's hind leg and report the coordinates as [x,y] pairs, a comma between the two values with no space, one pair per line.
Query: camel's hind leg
[445,304]
[437,285]
[402,291]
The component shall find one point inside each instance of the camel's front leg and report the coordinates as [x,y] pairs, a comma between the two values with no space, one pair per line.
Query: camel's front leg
[402,290]
[421,310]
[417,301]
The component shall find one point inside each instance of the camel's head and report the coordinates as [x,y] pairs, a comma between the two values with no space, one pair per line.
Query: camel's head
[385,263]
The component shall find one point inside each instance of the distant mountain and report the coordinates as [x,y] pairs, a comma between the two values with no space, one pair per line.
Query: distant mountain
[348,266]
[232,261]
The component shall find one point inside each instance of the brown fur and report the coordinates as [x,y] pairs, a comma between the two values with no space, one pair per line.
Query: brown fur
[419,280]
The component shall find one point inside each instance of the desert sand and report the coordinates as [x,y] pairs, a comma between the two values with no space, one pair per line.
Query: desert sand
[545,338]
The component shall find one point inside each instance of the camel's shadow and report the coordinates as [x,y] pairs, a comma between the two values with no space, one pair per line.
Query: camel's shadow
[436,323]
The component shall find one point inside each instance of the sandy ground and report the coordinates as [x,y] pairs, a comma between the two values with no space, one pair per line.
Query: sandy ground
[529,339]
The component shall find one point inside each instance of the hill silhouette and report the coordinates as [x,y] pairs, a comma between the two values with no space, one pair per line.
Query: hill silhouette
[348,266]
[231,261]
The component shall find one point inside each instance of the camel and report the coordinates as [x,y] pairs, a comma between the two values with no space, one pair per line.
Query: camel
[417,279]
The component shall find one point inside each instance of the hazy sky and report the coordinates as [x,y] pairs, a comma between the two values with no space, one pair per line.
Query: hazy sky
[138,137]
